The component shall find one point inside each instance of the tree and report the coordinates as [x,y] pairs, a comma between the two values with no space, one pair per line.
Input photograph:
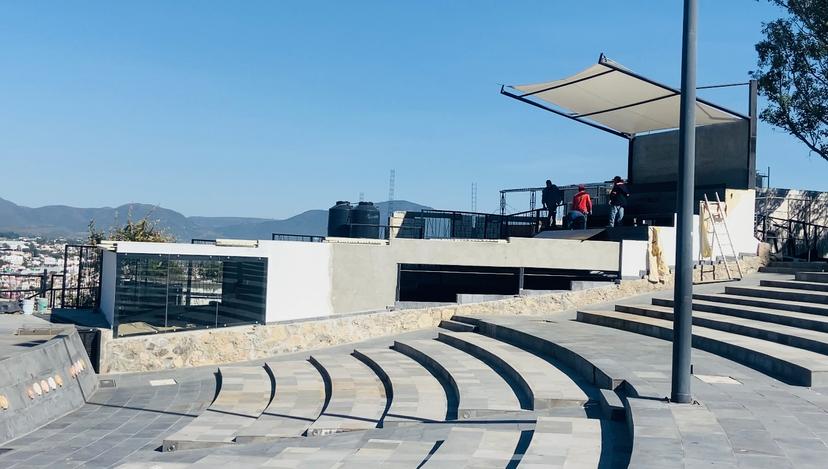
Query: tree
[793,72]
[144,229]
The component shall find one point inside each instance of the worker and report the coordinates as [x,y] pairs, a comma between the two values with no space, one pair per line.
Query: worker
[581,208]
[618,200]
[551,197]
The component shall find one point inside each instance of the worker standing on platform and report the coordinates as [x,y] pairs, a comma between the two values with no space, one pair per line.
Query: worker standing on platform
[618,200]
[551,197]
[581,209]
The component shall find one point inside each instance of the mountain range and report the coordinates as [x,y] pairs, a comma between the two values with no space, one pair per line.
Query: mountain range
[63,221]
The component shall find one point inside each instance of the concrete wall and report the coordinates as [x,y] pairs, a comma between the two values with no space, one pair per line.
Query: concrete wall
[24,373]
[364,276]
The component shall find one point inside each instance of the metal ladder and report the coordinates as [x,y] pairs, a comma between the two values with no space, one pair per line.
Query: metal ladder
[718,222]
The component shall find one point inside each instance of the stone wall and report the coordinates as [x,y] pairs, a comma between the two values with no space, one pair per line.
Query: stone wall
[43,383]
[234,344]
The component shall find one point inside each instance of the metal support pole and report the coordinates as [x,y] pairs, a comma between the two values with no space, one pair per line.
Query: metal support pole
[683,292]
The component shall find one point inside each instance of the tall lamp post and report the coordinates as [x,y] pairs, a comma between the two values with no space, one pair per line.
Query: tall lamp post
[683,291]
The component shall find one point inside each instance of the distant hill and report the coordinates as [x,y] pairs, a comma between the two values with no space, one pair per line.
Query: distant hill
[61,220]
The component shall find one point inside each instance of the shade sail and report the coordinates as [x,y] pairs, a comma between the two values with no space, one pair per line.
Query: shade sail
[609,96]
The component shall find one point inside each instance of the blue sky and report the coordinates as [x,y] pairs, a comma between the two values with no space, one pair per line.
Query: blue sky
[268,108]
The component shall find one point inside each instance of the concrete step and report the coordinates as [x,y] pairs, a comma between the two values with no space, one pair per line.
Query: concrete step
[815,265]
[296,404]
[782,270]
[821,277]
[416,395]
[795,284]
[543,384]
[785,294]
[788,305]
[456,326]
[244,394]
[612,408]
[476,387]
[787,318]
[569,442]
[303,456]
[475,447]
[792,336]
[388,453]
[792,365]
[356,400]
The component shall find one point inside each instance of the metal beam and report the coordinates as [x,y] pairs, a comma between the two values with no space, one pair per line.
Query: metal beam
[683,288]
[609,63]
[545,108]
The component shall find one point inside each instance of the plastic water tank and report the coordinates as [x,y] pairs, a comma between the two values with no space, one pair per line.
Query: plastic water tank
[365,221]
[339,217]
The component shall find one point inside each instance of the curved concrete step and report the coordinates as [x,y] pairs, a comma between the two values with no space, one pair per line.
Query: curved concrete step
[296,404]
[788,305]
[792,336]
[821,277]
[795,284]
[561,442]
[477,387]
[357,400]
[545,385]
[476,447]
[793,365]
[388,453]
[787,318]
[814,265]
[245,392]
[787,294]
[784,270]
[311,457]
[417,396]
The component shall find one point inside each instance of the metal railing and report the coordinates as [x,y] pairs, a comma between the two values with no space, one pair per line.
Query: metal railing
[793,238]
[296,237]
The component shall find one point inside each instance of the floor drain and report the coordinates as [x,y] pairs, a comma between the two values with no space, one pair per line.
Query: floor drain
[106,383]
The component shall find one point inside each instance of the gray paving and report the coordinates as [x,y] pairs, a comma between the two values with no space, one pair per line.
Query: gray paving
[478,387]
[357,400]
[560,442]
[476,447]
[417,395]
[244,394]
[545,385]
[298,400]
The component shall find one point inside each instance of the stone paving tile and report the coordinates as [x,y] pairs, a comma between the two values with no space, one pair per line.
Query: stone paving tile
[417,395]
[478,387]
[298,400]
[357,400]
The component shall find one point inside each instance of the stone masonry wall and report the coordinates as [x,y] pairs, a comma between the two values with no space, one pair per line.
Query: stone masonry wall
[234,344]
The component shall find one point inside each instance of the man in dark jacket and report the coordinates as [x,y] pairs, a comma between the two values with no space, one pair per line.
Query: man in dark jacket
[618,200]
[551,197]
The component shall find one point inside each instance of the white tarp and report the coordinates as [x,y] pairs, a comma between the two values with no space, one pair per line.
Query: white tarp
[620,101]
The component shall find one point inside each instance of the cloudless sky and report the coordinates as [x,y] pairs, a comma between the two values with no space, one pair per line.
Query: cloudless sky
[270,108]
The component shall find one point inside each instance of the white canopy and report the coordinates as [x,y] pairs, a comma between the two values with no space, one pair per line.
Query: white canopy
[611,97]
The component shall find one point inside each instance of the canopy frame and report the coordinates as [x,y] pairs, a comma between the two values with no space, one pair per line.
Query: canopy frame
[613,67]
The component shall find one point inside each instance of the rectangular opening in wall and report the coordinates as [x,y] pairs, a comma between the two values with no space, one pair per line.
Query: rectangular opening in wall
[442,283]
[168,293]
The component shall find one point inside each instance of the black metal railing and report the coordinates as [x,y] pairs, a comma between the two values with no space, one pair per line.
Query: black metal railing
[443,224]
[296,237]
[203,241]
[793,238]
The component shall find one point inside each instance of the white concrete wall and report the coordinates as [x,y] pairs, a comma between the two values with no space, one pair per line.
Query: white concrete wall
[633,259]
[108,267]
[298,279]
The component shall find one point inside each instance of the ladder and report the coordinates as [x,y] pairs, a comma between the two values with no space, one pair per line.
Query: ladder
[721,235]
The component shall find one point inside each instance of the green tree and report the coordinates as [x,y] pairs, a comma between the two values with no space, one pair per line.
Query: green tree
[144,229]
[793,72]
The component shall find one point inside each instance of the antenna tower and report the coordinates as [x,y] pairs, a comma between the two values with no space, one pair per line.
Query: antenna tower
[392,183]
[474,197]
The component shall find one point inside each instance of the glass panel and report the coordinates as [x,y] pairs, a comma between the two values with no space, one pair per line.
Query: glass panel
[140,295]
[172,293]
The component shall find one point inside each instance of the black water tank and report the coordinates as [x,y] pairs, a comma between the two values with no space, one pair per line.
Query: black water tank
[339,216]
[365,221]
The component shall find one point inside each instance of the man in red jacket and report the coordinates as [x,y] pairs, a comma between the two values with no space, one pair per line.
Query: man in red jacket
[581,207]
